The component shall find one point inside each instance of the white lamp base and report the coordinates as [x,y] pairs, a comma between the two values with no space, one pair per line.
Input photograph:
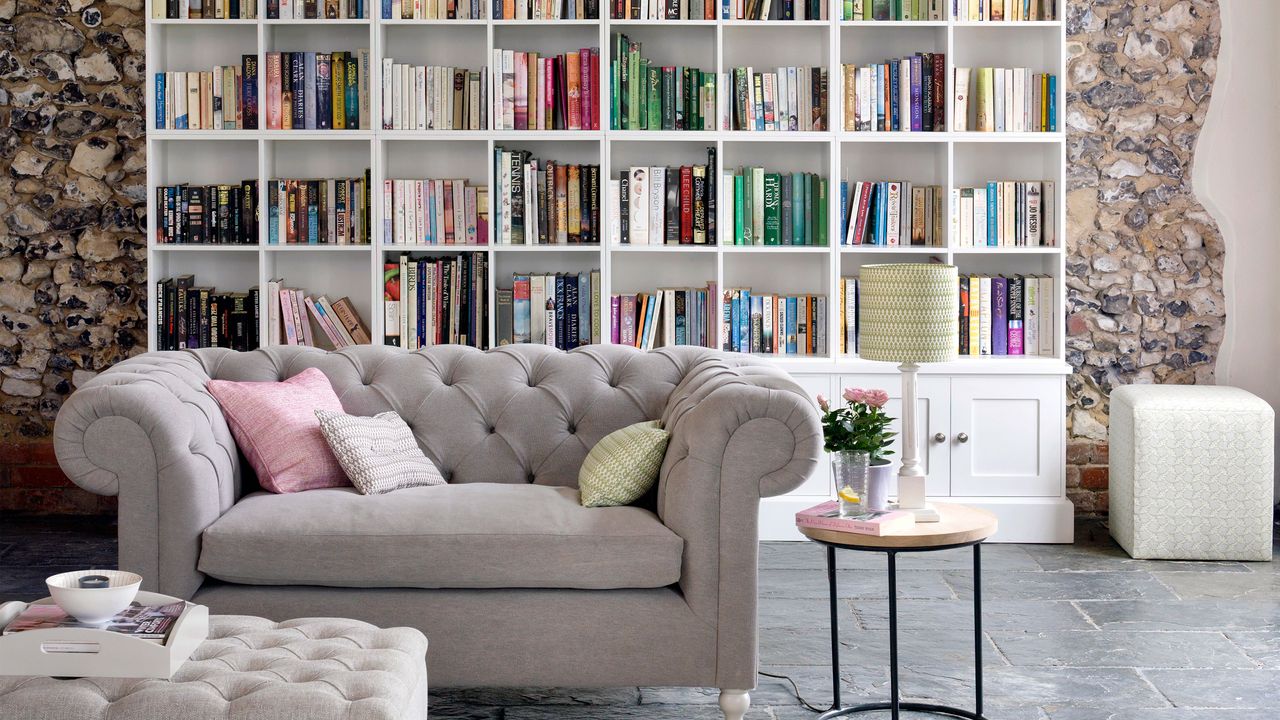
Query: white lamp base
[926,514]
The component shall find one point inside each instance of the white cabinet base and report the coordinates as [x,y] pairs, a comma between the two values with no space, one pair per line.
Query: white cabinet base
[1022,519]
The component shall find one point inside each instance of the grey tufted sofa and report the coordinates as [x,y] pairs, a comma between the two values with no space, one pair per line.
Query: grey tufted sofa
[512,580]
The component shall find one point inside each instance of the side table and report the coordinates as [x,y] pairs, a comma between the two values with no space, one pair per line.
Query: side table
[959,526]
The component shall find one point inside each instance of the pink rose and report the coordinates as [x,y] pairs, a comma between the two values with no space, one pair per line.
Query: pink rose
[875,398]
[854,395]
[823,403]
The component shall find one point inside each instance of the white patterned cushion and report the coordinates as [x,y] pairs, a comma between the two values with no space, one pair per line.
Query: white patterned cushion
[623,466]
[1191,472]
[378,453]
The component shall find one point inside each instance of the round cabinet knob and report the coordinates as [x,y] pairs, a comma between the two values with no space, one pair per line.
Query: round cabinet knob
[962,437]
[939,437]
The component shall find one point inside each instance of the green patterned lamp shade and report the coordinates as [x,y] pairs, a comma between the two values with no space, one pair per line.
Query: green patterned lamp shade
[908,312]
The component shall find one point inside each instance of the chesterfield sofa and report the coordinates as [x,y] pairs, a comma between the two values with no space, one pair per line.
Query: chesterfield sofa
[511,579]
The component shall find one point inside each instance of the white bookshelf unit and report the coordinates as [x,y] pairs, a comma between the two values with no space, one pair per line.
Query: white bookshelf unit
[993,426]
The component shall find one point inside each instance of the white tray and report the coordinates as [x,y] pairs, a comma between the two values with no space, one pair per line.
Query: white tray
[81,652]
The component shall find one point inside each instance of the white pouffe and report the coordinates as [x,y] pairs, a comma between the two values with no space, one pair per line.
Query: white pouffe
[1191,472]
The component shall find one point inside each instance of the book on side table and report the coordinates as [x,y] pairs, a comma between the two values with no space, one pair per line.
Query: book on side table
[826,516]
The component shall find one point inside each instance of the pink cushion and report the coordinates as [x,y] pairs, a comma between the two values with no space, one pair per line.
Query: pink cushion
[275,425]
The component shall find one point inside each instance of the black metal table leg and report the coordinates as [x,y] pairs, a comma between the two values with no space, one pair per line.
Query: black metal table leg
[894,698]
[894,705]
[835,629]
[977,627]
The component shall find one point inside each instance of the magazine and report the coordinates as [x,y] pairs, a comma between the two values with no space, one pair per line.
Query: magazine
[145,622]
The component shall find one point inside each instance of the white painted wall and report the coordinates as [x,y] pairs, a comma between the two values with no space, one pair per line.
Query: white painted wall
[1237,176]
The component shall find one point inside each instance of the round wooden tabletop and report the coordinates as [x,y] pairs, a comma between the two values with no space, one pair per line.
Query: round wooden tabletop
[958,525]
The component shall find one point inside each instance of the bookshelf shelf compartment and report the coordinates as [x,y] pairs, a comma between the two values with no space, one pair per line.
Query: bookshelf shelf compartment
[947,159]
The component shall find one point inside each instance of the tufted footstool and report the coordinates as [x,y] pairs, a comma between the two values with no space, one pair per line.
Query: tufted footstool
[1191,472]
[253,669]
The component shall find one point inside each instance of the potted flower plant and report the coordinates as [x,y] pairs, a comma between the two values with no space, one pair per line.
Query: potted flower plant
[858,438]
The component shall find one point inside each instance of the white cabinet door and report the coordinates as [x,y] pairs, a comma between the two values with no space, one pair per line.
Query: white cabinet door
[819,483]
[1006,433]
[932,418]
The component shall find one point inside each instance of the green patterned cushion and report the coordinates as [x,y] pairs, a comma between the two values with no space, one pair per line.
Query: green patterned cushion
[622,467]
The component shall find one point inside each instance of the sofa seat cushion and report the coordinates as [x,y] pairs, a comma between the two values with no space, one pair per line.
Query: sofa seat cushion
[474,535]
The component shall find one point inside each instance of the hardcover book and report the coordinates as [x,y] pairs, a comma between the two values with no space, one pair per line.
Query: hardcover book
[826,516]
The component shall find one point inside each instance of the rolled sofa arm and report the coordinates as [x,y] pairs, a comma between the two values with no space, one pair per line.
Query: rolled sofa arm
[740,431]
[148,431]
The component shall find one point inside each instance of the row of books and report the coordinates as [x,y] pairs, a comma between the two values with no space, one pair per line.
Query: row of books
[434,212]
[535,92]
[545,203]
[1003,10]
[773,324]
[561,310]
[315,9]
[666,318]
[318,91]
[646,96]
[788,99]
[770,208]
[225,98]
[434,9]
[1006,213]
[296,318]
[1005,100]
[204,9]
[480,9]
[903,94]
[437,301]
[962,10]
[657,205]
[896,10]
[1006,316]
[770,10]
[892,212]
[190,316]
[998,315]
[332,211]
[209,214]
[433,97]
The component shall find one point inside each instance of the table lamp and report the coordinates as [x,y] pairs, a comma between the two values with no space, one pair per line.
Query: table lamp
[908,313]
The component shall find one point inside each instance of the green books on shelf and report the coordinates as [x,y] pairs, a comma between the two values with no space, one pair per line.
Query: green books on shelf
[770,208]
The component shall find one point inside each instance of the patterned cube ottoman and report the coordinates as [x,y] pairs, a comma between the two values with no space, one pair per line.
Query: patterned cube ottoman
[253,669]
[1191,472]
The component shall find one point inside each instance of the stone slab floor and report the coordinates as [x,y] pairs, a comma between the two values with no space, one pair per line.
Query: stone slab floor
[1077,632]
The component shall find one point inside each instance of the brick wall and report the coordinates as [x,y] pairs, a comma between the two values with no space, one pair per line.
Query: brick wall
[72,200]
[1144,259]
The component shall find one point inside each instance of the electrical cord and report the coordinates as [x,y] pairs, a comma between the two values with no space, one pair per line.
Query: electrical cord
[796,691]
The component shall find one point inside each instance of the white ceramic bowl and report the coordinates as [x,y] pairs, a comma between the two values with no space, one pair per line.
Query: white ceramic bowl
[93,605]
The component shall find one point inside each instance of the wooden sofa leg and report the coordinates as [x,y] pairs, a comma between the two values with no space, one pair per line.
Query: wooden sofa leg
[734,704]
